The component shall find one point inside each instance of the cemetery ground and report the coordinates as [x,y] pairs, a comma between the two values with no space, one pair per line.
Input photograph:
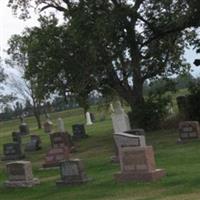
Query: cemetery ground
[181,162]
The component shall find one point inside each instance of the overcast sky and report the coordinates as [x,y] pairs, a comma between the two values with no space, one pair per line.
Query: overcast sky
[10,25]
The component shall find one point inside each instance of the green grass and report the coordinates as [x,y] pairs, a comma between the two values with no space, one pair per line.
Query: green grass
[181,162]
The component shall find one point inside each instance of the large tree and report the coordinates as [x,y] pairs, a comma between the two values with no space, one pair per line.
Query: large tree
[129,41]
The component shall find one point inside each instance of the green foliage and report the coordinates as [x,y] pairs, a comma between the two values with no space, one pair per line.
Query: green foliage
[115,44]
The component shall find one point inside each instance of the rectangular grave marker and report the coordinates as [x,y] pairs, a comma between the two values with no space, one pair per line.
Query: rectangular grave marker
[12,151]
[189,130]
[20,174]
[72,172]
[138,163]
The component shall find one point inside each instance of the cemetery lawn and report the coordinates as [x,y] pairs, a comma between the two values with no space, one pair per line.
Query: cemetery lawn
[181,162]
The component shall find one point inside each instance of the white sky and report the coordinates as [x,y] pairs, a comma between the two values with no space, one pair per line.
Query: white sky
[10,25]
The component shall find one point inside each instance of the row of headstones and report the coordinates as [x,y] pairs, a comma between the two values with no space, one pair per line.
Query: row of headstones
[137,160]
[72,171]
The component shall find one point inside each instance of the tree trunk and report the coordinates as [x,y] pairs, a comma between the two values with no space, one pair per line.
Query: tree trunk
[37,116]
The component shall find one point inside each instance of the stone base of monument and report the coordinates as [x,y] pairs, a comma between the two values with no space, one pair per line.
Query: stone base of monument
[22,183]
[138,164]
[54,156]
[72,173]
[138,176]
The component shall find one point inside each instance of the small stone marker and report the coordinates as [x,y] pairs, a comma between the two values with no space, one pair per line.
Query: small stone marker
[61,139]
[61,126]
[12,151]
[23,128]
[189,130]
[120,119]
[79,131]
[48,125]
[34,144]
[138,163]
[20,174]
[72,172]
[88,119]
[16,136]
[55,155]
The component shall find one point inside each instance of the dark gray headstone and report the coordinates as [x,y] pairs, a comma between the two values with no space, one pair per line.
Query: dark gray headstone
[79,131]
[12,151]
[16,136]
[34,144]
[72,172]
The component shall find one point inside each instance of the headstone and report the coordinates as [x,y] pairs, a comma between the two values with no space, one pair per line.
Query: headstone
[48,126]
[16,136]
[79,131]
[72,172]
[20,174]
[12,151]
[61,139]
[88,119]
[120,119]
[23,128]
[55,156]
[138,164]
[127,140]
[61,147]
[189,130]
[34,144]
[60,124]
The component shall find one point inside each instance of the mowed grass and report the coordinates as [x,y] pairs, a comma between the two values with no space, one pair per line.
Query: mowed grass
[181,162]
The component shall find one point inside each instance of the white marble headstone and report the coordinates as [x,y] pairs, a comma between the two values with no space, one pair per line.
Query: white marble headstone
[60,124]
[88,119]
[120,119]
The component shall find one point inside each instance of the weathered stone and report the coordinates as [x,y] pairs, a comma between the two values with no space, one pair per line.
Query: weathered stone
[48,126]
[189,130]
[34,144]
[61,139]
[12,151]
[138,163]
[120,119]
[129,140]
[16,136]
[20,174]
[88,119]
[72,172]
[55,155]
[79,131]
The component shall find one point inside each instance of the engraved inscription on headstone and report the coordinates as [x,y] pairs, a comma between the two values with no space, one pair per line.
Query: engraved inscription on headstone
[20,174]
[12,151]
[189,129]
[138,163]
[72,172]
[55,155]
[129,140]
